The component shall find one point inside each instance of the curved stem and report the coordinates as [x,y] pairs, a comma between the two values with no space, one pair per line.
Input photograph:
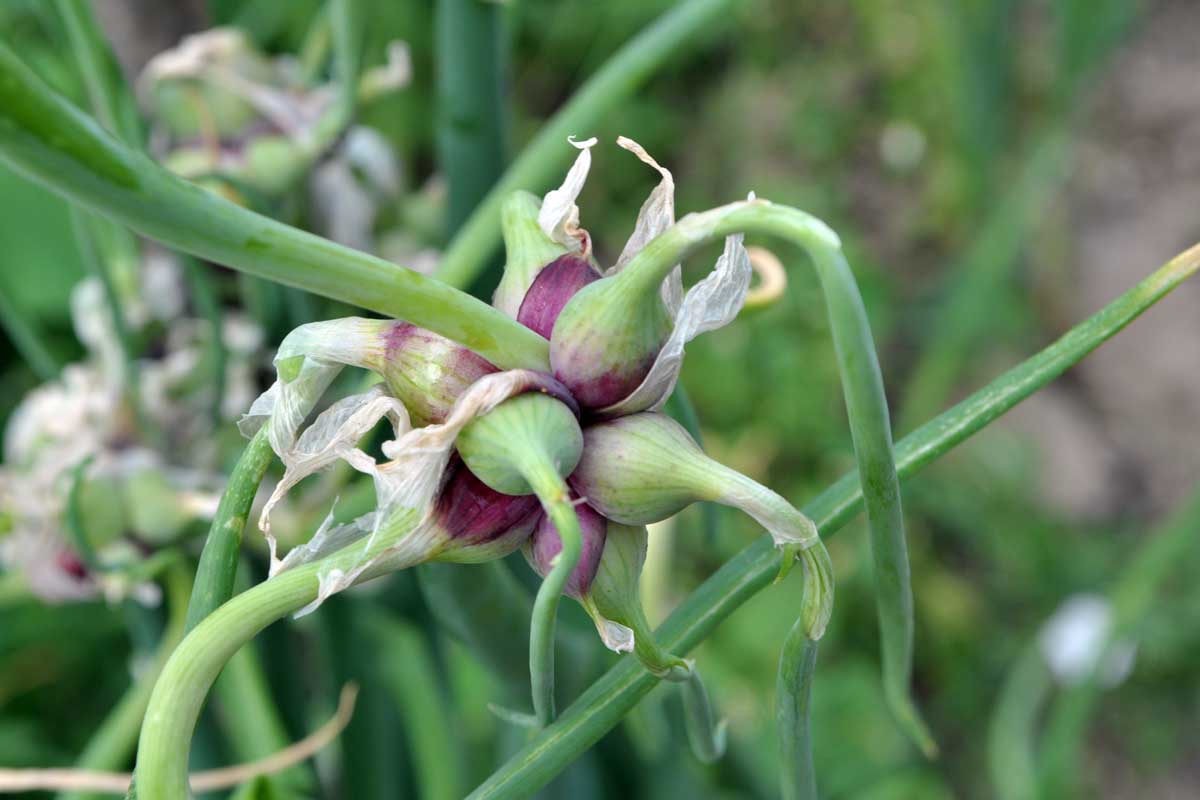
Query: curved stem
[114,741]
[603,705]
[47,139]
[866,407]
[544,157]
[552,490]
[679,405]
[180,691]
[793,690]
[1012,741]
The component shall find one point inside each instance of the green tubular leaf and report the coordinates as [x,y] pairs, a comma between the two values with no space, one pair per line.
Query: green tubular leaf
[48,140]
[602,706]
[866,407]
[471,71]
[1012,733]
[411,674]
[793,690]
[108,93]
[546,155]
[219,560]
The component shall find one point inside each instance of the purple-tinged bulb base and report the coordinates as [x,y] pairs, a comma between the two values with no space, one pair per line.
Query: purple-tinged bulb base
[553,287]
[473,514]
[428,372]
[605,340]
[546,543]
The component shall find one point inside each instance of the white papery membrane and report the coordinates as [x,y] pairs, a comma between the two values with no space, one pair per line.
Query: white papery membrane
[308,360]
[655,216]
[711,304]
[559,216]
[401,531]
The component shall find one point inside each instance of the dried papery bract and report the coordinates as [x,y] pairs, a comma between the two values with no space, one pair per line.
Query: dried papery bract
[406,527]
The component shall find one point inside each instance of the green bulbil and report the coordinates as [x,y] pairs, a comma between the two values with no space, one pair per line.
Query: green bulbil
[520,436]
[606,339]
[527,250]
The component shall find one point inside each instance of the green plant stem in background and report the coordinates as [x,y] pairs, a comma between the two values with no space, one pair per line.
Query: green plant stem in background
[48,140]
[113,742]
[793,692]
[603,705]
[705,734]
[208,305]
[27,339]
[91,235]
[345,19]
[1012,733]
[866,407]
[1166,551]
[412,676]
[108,93]
[217,571]
[471,73]
[546,156]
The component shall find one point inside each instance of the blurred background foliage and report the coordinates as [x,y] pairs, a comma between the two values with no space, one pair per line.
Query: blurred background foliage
[998,169]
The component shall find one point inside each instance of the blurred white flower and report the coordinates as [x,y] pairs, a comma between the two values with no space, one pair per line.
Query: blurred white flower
[1075,640]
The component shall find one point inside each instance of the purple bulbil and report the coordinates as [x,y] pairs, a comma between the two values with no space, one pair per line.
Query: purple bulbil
[551,289]
[546,544]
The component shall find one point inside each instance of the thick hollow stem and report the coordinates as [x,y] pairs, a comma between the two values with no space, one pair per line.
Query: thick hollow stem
[162,759]
[217,570]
